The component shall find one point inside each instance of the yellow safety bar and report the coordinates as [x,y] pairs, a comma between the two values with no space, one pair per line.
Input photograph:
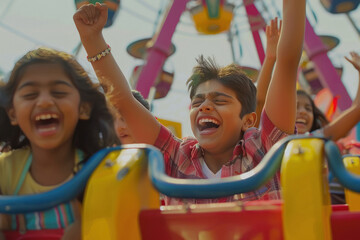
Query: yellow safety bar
[116,192]
[352,164]
[307,207]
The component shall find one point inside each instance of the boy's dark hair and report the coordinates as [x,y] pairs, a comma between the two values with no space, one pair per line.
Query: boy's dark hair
[319,118]
[141,99]
[90,135]
[230,76]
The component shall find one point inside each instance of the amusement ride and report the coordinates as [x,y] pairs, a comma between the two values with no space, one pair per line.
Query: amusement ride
[122,184]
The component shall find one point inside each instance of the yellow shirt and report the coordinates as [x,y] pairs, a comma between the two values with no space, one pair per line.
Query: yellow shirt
[11,165]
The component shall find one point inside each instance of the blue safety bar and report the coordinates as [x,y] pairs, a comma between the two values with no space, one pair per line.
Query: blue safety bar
[347,179]
[217,188]
[174,187]
[64,193]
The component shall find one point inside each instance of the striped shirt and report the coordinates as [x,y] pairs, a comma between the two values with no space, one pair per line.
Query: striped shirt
[15,179]
[183,160]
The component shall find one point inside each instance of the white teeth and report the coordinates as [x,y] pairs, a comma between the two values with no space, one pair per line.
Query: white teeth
[300,120]
[46,116]
[205,120]
[47,129]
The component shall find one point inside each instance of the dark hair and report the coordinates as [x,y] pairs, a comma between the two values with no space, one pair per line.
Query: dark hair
[319,118]
[141,99]
[230,76]
[90,135]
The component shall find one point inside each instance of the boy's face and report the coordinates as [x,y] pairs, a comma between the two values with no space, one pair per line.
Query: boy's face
[215,117]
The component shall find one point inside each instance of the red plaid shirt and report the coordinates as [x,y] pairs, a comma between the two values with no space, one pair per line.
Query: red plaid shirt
[182,160]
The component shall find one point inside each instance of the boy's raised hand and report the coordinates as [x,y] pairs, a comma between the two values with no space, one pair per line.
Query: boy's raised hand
[272,37]
[355,60]
[90,19]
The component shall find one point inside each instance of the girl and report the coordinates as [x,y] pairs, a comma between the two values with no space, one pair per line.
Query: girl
[308,117]
[52,117]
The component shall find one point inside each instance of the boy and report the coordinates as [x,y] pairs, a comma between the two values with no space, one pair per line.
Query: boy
[221,117]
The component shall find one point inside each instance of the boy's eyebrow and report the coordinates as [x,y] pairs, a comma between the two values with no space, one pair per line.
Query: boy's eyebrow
[212,95]
[56,82]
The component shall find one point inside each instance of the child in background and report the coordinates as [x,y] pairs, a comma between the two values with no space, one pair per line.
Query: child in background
[53,118]
[308,117]
[222,109]
[122,130]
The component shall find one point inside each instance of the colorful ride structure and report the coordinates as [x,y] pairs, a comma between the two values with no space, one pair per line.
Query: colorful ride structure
[340,6]
[123,184]
[164,79]
[212,17]
[122,198]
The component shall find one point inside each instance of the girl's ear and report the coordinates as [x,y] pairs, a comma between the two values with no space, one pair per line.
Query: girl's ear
[12,116]
[248,121]
[85,111]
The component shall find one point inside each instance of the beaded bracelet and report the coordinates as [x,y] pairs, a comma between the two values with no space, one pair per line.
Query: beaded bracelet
[100,55]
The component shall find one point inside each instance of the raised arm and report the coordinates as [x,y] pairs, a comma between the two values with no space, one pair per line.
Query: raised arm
[355,61]
[272,38]
[280,103]
[340,127]
[90,20]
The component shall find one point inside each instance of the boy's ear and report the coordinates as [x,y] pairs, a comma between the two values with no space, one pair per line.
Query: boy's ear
[249,121]
[12,116]
[85,111]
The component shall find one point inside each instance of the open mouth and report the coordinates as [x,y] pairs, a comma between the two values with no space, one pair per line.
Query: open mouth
[300,121]
[47,122]
[208,123]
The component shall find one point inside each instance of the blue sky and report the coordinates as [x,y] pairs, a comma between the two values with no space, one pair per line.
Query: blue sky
[25,25]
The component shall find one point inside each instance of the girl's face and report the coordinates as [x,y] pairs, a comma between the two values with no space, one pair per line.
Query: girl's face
[304,114]
[46,106]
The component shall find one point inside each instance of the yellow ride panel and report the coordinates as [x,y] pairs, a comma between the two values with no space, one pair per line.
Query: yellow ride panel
[352,164]
[116,192]
[307,207]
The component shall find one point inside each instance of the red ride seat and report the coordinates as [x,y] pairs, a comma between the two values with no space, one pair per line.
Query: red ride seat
[252,220]
[46,234]
[345,225]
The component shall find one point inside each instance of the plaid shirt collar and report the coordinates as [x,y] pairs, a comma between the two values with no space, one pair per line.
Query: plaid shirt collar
[197,152]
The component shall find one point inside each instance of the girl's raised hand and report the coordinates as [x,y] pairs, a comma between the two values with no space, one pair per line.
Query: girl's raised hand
[90,19]
[355,60]
[272,37]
